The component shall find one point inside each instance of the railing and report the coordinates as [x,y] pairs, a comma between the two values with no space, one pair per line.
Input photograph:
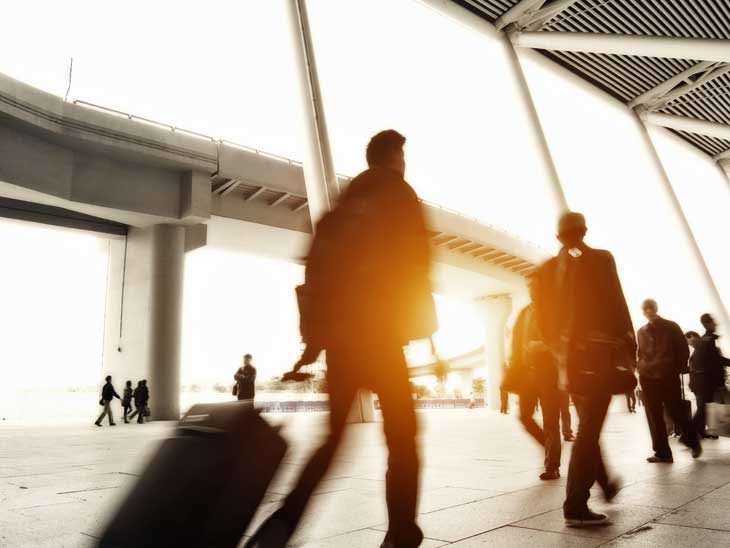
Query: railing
[175,129]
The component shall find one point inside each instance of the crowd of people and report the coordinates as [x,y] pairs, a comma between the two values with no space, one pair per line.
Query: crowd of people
[367,293]
[139,395]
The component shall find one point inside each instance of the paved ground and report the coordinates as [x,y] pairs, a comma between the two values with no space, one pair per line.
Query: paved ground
[479,487]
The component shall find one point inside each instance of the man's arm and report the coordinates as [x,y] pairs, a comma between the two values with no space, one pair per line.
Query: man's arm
[681,348]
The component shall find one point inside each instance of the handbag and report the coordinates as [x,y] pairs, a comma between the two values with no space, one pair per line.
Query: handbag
[146,412]
[101,401]
[235,390]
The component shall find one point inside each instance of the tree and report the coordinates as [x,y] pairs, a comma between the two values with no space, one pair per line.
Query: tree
[478,386]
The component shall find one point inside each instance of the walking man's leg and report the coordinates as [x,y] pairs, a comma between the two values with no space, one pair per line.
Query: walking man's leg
[586,463]
[400,427]
[342,389]
[551,427]
[700,417]
[104,412]
[654,407]
[565,418]
[528,401]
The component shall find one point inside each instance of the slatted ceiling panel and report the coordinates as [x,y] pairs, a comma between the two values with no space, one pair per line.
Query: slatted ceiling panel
[711,145]
[492,9]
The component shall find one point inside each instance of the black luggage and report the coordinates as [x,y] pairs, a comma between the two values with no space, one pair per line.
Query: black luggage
[203,485]
[686,410]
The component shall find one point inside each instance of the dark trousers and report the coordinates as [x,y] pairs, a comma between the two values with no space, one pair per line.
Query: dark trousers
[503,401]
[381,368]
[631,400]
[549,435]
[586,462]
[699,421]
[565,419]
[127,409]
[660,395]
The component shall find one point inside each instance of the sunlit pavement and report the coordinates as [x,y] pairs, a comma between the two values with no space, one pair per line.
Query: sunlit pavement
[479,485]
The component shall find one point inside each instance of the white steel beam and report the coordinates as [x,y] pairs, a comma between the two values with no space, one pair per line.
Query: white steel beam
[690,125]
[624,44]
[680,85]
[719,304]
[530,15]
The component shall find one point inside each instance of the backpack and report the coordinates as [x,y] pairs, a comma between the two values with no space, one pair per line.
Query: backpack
[351,282]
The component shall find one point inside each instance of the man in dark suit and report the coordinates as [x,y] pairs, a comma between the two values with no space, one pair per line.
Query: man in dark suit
[583,317]
[368,274]
[663,355]
[707,371]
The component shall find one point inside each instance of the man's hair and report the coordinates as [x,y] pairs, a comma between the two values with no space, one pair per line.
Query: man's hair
[705,319]
[572,222]
[691,334]
[649,303]
[128,383]
[108,378]
[248,356]
[382,146]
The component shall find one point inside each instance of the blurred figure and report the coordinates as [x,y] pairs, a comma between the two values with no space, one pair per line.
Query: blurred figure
[245,379]
[366,294]
[504,402]
[631,401]
[663,355]
[141,398]
[566,421]
[707,373]
[127,400]
[107,395]
[583,317]
[536,380]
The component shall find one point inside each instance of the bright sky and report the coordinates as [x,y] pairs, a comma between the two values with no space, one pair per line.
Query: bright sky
[225,68]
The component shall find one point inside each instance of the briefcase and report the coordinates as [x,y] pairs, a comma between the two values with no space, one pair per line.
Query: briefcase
[686,410]
[203,485]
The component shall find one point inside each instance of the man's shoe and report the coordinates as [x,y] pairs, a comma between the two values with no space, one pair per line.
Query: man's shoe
[97,423]
[569,437]
[710,437]
[550,475]
[696,451]
[611,490]
[656,459]
[587,519]
[112,424]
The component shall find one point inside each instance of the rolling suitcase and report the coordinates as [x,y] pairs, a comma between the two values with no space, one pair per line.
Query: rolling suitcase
[685,409]
[203,485]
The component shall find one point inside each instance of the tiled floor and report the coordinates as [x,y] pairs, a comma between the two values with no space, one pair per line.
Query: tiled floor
[479,485]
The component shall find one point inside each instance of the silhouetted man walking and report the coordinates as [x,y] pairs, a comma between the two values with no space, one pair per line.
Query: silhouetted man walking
[707,372]
[245,379]
[583,317]
[663,355]
[107,395]
[366,294]
[535,377]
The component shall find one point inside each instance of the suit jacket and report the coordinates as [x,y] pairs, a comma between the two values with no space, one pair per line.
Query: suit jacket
[581,298]
[663,350]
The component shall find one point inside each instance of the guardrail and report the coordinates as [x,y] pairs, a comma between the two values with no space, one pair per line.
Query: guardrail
[175,129]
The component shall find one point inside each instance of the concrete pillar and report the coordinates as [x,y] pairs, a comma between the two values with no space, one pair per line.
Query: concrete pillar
[165,319]
[495,311]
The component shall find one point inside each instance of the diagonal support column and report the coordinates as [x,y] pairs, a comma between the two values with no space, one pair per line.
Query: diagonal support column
[530,15]
[686,227]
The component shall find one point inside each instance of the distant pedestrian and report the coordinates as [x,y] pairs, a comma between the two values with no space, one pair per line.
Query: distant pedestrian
[107,395]
[663,357]
[141,399]
[707,372]
[504,402]
[127,400]
[631,401]
[245,379]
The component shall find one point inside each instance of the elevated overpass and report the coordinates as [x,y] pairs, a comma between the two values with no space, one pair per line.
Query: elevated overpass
[171,190]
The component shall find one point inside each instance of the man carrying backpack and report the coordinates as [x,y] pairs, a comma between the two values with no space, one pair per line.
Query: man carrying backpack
[367,294]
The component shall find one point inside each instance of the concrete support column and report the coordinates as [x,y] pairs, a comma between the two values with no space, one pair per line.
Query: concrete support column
[165,319]
[719,304]
[495,312]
